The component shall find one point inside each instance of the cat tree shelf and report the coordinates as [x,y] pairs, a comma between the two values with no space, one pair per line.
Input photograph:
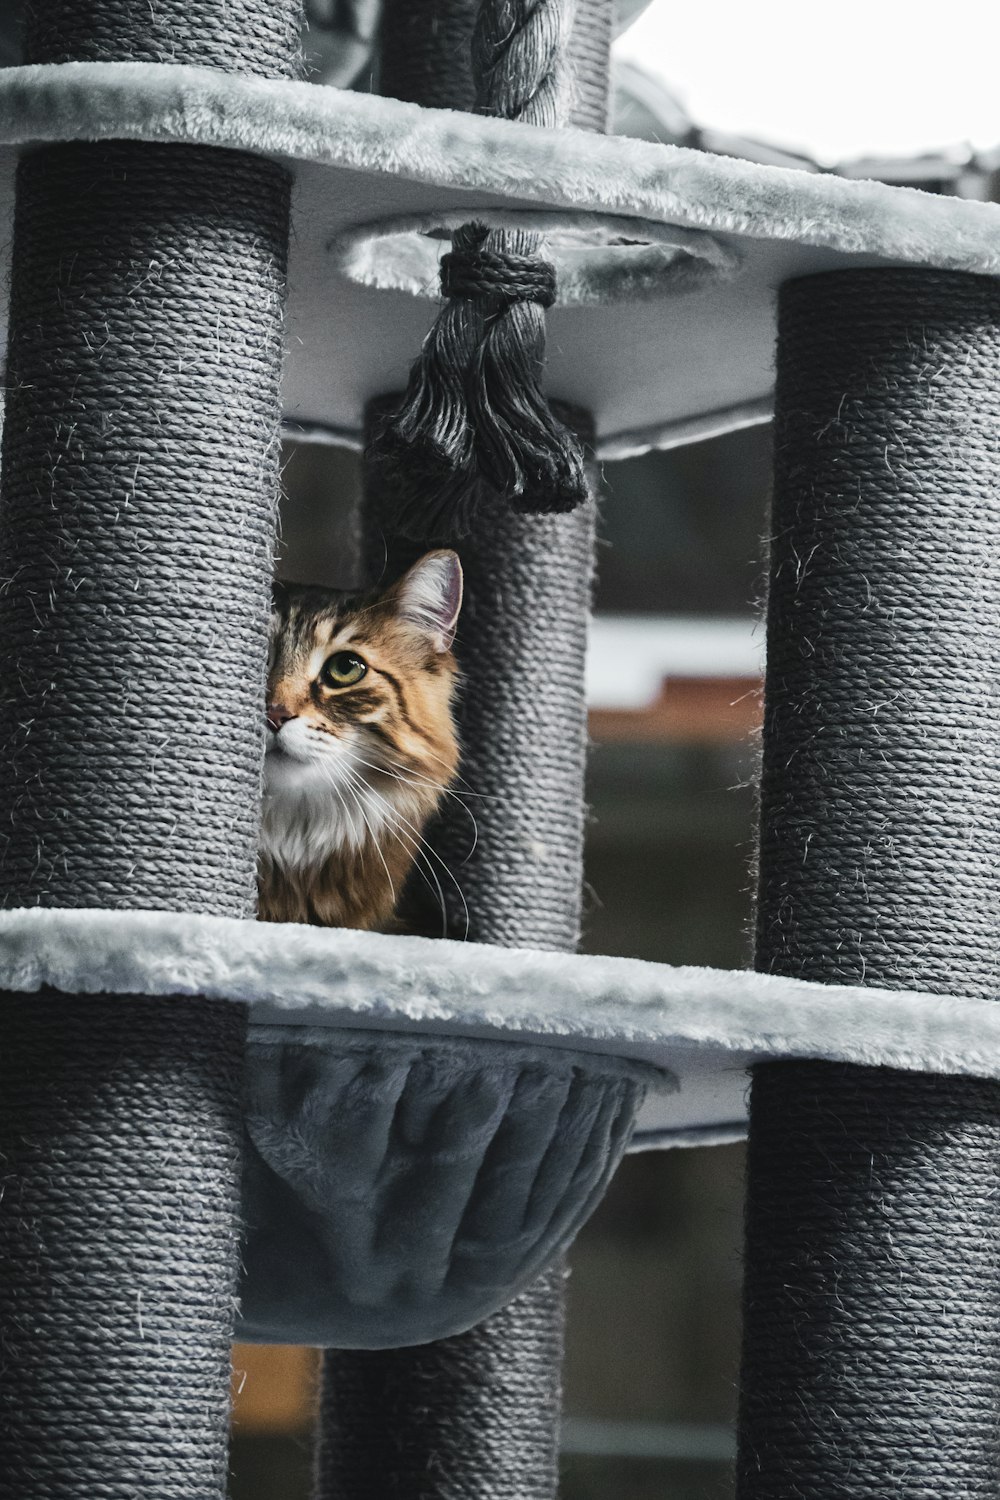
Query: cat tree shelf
[403,1093]
[669,258]
[428,1123]
[698,1029]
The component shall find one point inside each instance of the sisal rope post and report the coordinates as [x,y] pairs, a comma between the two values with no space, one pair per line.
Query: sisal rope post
[872,1298]
[478,1415]
[515,879]
[473,1416]
[136,518]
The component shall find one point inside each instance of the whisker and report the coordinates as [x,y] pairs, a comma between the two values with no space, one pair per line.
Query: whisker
[428,875]
[395,817]
[488,796]
[374,839]
[437,786]
[396,769]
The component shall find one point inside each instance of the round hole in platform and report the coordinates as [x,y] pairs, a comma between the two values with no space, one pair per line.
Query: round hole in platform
[598,257]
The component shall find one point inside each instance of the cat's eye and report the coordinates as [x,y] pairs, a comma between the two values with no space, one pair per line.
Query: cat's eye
[343,669]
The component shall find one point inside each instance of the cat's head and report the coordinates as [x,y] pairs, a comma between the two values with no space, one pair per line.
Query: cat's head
[359,689]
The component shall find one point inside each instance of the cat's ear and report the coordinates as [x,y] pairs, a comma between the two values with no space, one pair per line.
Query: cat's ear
[429,597]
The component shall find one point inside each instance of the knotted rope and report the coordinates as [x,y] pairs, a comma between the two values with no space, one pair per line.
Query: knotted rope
[474,408]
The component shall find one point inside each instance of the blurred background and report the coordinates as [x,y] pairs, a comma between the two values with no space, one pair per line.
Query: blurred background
[674,703]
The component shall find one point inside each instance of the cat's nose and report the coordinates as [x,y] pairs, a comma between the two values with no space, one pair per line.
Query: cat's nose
[278,714]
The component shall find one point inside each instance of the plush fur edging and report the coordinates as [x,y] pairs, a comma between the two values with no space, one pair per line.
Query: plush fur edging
[557,168]
[269,1038]
[726,1133]
[673,1017]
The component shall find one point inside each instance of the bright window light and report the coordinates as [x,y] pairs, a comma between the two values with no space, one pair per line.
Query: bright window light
[858,78]
[629,657]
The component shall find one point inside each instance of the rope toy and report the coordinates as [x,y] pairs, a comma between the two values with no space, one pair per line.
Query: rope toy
[474,409]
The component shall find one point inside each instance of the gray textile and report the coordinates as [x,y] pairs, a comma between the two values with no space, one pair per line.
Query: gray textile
[700,1028]
[400,1189]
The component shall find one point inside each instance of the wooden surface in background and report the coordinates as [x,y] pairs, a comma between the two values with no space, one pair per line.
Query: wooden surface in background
[274,1387]
[689,711]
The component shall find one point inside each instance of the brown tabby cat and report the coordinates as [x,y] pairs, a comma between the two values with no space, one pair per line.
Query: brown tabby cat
[361,743]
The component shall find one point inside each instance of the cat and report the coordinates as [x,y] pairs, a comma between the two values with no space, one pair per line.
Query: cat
[361,743]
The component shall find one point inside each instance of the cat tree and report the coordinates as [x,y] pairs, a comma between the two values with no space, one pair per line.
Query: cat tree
[425,1123]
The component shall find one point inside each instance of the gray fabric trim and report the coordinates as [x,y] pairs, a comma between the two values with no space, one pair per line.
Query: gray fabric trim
[695,1135]
[631,442]
[598,258]
[569,168]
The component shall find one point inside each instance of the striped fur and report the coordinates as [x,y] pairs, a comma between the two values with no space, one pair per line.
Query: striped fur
[352,773]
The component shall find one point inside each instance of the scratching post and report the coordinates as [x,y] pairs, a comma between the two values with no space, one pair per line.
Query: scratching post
[872,1314]
[475,1415]
[138,495]
[136,514]
[522,721]
[425,51]
[528,589]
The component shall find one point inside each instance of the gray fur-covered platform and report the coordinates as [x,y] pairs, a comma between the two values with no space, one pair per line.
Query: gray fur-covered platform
[699,1028]
[682,343]
[429,1123]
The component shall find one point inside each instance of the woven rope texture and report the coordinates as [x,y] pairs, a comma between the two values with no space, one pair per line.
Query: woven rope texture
[241,36]
[139,491]
[138,494]
[588,65]
[119,1170]
[519,60]
[464,1418]
[413,63]
[493,1430]
[509,846]
[872,1304]
[486,273]
[884,635]
[872,1310]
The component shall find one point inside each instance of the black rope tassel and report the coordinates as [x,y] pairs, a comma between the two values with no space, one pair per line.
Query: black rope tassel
[474,408]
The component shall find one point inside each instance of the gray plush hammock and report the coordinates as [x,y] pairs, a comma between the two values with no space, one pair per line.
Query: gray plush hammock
[384,1144]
